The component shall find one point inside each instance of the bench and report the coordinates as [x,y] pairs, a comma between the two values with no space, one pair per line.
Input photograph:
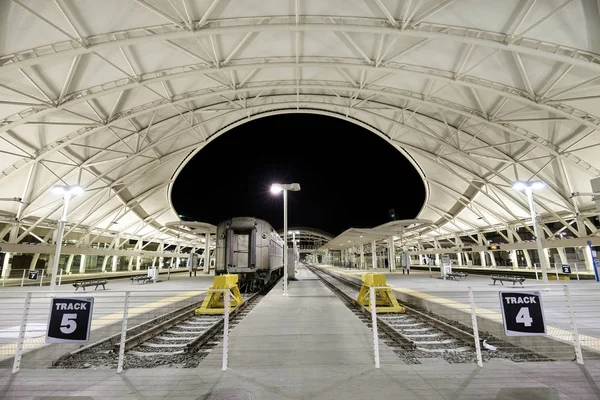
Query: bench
[141,279]
[457,276]
[90,282]
[513,279]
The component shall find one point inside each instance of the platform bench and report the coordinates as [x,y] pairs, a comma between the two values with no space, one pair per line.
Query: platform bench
[141,279]
[513,279]
[457,276]
[90,282]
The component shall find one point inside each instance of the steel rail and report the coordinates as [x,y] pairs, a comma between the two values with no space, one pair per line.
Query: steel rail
[397,336]
[209,333]
[154,331]
[198,341]
[117,335]
[454,331]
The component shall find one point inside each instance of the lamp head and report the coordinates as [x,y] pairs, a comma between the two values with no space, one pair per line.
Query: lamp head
[276,188]
[63,189]
[75,190]
[538,185]
[519,185]
[535,185]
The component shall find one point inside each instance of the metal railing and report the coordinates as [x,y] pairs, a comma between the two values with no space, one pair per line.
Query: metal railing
[572,323]
[25,319]
[569,313]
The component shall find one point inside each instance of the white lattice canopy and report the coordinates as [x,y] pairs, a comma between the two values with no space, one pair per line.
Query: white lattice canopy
[117,95]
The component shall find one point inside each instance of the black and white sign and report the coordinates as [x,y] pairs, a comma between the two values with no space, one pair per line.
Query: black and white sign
[70,320]
[522,313]
[33,275]
[566,268]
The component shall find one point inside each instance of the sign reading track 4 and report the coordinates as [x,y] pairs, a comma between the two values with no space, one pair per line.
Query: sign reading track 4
[522,313]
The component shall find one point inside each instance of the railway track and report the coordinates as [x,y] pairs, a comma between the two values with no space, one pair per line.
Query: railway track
[179,338]
[417,335]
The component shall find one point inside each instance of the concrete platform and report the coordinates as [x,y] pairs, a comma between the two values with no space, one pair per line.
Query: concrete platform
[453,296]
[145,299]
[70,278]
[554,271]
[310,346]
[309,327]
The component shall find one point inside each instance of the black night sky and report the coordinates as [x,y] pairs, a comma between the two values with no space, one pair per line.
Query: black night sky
[349,177]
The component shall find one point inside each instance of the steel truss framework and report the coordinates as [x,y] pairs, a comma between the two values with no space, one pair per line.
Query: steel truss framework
[307,239]
[506,92]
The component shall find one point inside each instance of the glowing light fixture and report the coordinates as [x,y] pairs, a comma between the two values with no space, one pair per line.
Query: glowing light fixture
[66,192]
[528,187]
[276,188]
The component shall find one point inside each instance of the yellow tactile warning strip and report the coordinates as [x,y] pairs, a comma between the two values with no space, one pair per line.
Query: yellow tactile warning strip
[8,350]
[591,342]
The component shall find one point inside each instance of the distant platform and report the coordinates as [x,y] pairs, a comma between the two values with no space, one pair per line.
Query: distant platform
[70,278]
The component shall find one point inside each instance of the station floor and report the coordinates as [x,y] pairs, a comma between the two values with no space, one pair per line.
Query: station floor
[70,278]
[108,304]
[584,294]
[310,346]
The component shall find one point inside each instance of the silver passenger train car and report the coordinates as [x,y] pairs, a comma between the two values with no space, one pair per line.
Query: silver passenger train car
[251,248]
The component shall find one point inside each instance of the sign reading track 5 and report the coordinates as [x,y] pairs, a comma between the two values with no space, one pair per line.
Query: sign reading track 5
[522,313]
[70,320]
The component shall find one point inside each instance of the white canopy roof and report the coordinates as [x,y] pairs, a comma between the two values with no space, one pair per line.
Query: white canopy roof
[117,95]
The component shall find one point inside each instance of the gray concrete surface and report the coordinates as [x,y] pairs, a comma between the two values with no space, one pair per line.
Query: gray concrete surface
[70,278]
[310,346]
[450,299]
[105,301]
[146,300]
[585,295]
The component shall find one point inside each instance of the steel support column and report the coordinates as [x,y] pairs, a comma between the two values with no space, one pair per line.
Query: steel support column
[362,256]
[391,254]
[206,254]
[374,254]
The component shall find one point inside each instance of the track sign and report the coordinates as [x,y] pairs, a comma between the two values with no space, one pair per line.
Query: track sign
[522,313]
[566,268]
[33,275]
[70,320]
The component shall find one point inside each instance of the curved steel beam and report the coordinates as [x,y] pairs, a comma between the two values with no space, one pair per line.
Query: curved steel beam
[400,94]
[504,91]
[309,23]
[338,106]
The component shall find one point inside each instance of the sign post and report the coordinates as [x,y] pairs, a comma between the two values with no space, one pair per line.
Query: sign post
[70,320]
[522,313]
[596,262]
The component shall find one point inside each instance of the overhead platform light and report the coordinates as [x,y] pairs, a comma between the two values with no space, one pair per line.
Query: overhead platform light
[536,185]
[529,186]
[63,189]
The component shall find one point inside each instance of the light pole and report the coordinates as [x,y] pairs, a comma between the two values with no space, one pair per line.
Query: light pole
[67,192]
[529,186]
[276,188]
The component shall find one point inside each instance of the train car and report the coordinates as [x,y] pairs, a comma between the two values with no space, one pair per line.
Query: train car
[251,248]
